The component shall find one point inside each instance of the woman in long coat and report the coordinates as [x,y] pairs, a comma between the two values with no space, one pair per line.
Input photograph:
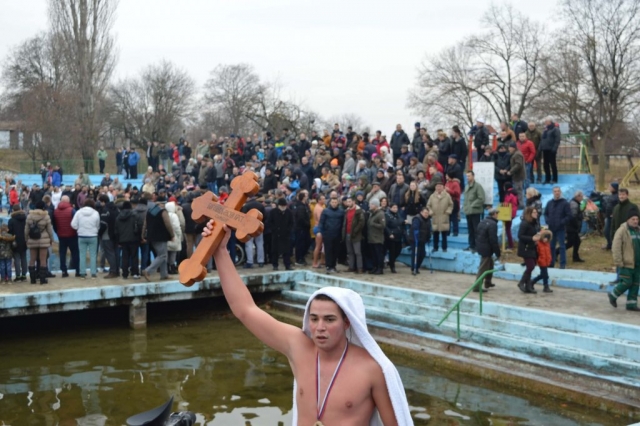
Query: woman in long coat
[528,236]
[38,218]
[440,207]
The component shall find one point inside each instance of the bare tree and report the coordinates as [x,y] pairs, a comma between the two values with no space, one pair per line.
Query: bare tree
[38,93]
[234,90]
[154,106]
[495,71]
[593,77]
[88,50]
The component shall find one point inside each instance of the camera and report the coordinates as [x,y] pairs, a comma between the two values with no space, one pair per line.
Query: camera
[162,416]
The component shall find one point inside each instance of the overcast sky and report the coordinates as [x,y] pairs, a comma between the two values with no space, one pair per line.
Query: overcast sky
[334,56]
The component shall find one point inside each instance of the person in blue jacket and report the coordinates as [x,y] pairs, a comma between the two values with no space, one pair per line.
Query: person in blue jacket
[133,159]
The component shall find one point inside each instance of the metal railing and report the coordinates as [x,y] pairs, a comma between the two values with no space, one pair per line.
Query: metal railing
[75,166]
[457,305]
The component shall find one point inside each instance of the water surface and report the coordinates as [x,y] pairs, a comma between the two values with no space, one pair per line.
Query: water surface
[88,368]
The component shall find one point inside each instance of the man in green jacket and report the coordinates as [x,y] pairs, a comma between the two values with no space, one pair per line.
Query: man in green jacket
[102,156]
[626,256]
[473,207]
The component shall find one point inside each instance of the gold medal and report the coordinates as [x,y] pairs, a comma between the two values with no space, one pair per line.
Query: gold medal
[318,423]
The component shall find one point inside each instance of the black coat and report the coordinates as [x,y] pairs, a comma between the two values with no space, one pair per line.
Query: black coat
[480,138]
[126,227]
[456,169]
[281,225]
[421,227]
[270,182]
[17,223]
[460,149]
[301,215]
[503,162]
[526,245]
[394,225]
[487,243]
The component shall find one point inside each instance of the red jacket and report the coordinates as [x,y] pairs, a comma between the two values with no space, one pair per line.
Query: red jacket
[176,156]
[544,250]
[13,197]
[512,198]
[528,150]
[453,188]
[62,217]
[438,167]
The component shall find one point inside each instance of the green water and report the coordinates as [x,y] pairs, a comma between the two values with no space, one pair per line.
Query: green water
[90,369]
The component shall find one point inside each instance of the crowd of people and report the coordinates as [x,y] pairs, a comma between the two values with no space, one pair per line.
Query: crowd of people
[336,198]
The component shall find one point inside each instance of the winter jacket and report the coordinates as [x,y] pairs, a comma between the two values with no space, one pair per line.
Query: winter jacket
[511,198]
[394,225]
[375,227]
[453,188]
[544,249]
[550,139]
[396,194]
[13,197]
[331,222]
[481,138]
[157,224]
[557,214]
[528,151]
[134,158]
[610,203]
[62,217]
[440,208]
[175,244]
[357,225]
[444,150]
[487,243]
[460,149]
[503,162]
[473,199]
[622,248]
[534,136]
[281,225]
[620,213]
[535,203]
[456,170]
[574,223]
[17,227]
[87,222]
[43,221]
[398,139]
[516,166]
[413,207]
[301,215]
[526,245]
[126,227]
[6,252]
[519,127]
[421,227]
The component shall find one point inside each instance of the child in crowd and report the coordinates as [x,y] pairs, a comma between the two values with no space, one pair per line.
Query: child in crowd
[510,198]
[544,259]
[6,253]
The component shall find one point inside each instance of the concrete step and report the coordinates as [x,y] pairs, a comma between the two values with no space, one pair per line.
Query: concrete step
[547,350]
[469,316]
[603,330]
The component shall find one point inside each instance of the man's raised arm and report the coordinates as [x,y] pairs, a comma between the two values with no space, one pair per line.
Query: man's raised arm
[277,335]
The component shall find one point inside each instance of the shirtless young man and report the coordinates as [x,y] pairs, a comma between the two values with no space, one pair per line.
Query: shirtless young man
[359,386]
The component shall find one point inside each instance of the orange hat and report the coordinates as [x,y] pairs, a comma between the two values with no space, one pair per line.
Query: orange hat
[334,162]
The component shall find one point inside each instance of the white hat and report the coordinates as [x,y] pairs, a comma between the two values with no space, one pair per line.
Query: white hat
[480,120]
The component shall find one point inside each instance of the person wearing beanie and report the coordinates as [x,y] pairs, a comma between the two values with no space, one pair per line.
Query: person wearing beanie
[610,202]
[626,256]
[128,237]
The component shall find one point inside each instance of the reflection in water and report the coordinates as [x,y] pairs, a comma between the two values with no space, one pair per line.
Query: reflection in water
[215,368]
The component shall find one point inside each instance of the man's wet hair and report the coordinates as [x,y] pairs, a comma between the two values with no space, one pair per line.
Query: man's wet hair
[325,298]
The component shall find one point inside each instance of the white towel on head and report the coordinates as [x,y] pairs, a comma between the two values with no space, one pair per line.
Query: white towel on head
[351,303]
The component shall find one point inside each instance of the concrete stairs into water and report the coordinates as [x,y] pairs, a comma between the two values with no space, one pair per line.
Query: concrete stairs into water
[579,356]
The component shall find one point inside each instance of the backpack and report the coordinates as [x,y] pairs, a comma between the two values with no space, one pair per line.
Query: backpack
[34,231]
